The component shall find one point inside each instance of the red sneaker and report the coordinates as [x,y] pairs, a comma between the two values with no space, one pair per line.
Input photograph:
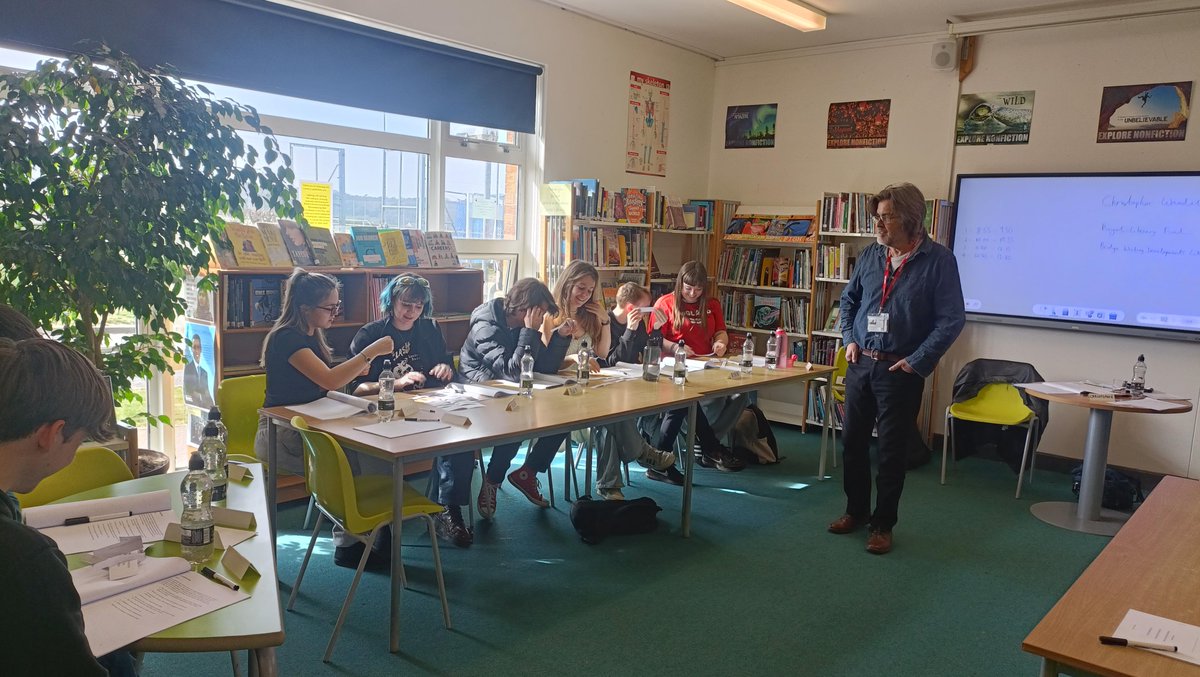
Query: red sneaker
[527,483]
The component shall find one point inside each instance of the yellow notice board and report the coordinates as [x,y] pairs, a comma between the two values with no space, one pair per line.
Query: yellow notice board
[317,200]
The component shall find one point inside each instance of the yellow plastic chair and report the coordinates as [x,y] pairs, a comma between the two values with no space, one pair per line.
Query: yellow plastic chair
[94,466]
[838,385]
[360,505]
[240,399]
[996,404]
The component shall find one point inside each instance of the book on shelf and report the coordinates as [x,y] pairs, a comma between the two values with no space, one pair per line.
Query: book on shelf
[199,302]
[608,294]
[367,246]
[420,249]
[248,247]
[442,251]
[276,250]
[831,320]
[345,247]
[635,205]
[781,273]
[674,214]
[266,301]
[222,249]
[395,249]
[325,252]
[297,243]
[793,228]
[766,312]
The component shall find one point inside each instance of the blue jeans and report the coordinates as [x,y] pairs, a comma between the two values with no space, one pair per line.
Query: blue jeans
[455,472]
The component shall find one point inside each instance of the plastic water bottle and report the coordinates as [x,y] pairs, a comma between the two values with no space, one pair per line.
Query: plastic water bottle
[748,355]
[772,351]
[527,373]
[214,415]
[651,355]
[1137,386]
[212,453]
[680,376]
[781,342]
[196,522]
[387,390]
[583,370]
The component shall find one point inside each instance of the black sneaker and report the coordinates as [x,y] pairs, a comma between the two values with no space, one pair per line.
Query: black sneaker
[348,557]
[723,460]
[451,527]
[671,475]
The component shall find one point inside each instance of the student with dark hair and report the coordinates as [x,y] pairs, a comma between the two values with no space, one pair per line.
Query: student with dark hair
[299,366]
[500,331]
[14,325]
[419,360]
[40,429]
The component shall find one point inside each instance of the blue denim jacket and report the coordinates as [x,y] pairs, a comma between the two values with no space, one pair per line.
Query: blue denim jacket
[925,306]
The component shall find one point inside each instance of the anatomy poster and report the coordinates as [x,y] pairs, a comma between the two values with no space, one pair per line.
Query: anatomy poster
[649,112]
[1154,112]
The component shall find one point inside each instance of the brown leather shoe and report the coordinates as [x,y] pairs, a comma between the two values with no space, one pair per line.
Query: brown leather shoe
[844,524]
[879,542]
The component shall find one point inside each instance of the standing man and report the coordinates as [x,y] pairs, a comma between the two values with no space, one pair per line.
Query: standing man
[900,312]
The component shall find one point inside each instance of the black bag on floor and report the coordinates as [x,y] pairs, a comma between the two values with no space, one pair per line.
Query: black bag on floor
[1120,490]
[753,440]
[596,519]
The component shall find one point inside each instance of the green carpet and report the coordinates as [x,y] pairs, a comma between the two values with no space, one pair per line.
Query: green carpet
[760,587]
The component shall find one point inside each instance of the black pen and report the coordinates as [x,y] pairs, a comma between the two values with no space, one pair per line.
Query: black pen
[218,578]
[1121,641]
[86,519]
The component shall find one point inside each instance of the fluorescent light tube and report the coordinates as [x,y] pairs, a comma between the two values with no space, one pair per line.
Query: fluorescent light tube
[786,12]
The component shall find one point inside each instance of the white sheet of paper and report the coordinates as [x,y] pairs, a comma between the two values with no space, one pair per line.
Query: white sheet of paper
[150,526]
[93,584]
[393,429]
[116,621]
[1147,403]
[1150,628]
[1058,388]
[668,363]
[55,514]
[326,409]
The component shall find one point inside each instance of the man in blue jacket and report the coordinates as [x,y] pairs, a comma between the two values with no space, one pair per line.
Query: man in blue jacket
[900,312]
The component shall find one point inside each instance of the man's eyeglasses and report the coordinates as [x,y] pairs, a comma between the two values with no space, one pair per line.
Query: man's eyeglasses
[887,218]
[332,309]
[409,280]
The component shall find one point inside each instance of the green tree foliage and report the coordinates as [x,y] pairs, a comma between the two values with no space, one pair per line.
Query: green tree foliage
[111,177]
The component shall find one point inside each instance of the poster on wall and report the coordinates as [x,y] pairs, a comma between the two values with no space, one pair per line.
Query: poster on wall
[751,126]
[996,118]
[317,200]
[199,374]
[649,112]
[1153,112]
[858,124]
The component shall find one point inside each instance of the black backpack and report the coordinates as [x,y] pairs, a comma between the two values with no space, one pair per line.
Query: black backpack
[1120,490]
[753,440]
[596,519]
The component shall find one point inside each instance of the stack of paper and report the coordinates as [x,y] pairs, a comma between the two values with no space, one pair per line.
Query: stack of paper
[335,405]
[87,525]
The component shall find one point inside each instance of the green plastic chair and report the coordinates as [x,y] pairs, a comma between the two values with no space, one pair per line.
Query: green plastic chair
[996,404]
[93,467]
[360,505]
[240,399]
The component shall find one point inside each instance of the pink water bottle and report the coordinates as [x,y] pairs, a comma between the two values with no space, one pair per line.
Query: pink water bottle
[781,348]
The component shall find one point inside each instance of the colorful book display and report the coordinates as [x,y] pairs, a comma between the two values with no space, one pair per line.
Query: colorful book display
[395,252]
[325,252]
[276,250]
[296,242]
[367,246]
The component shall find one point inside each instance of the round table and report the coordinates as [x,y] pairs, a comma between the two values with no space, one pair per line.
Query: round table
[1086,515]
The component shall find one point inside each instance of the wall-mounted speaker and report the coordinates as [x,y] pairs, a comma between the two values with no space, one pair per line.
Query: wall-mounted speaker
[944,56]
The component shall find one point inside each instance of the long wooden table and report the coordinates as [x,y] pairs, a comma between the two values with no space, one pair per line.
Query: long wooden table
[1150,565]
[254,624]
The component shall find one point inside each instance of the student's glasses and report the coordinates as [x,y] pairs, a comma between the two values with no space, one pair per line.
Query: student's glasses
[332,309]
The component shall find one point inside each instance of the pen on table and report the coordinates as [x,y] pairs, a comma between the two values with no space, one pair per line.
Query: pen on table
[95,518]
[218,578]
[1121,641]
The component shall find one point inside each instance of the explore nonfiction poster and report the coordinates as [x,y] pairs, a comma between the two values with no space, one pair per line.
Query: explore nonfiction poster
[1153,112]
[994,118]
[858,124]
[750,126]
[649,110]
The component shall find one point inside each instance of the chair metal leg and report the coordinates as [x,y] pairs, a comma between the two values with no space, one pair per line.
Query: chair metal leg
[312,508]
[569,473]
[304,564]
[362,563]
[1024,456]
[437,569]
[233,658]
[946,434]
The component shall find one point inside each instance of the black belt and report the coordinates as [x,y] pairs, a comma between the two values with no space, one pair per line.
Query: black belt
[881,356]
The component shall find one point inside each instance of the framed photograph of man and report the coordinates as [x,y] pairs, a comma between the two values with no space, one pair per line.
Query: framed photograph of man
[199,372]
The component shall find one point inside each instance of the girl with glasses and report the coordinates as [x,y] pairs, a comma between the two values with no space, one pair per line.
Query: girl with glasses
[300,369]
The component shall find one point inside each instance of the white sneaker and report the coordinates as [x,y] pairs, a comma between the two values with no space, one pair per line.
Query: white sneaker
[656,459]
[487,500]
[610,493]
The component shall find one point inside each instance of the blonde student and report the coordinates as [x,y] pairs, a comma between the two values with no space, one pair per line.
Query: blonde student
[695,320]
[300,369]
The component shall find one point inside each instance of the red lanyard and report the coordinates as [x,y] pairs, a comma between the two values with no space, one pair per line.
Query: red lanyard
[887,273]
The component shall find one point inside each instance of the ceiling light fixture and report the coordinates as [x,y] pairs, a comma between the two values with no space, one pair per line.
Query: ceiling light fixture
[788,12]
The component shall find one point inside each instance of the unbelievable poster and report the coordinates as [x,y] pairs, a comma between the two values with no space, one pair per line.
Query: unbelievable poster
[750,126]
[649,110]
[858,124]
[994,118]
[1153,112]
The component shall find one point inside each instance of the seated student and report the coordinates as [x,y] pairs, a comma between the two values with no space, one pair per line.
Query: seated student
[575,293]
[14,325]
[299,369]
[40,429]
[419,360]
[696,321]
[500,331]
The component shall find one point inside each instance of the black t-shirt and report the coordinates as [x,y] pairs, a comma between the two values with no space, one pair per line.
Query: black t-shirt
[625,345]
[285,385]
[419,349]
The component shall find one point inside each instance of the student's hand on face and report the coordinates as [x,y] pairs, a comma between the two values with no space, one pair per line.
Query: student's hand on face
[596,309]
[534,317]
[660,318]
[634,319]
[719,348]
[442,372]
[567,328]
[383,346]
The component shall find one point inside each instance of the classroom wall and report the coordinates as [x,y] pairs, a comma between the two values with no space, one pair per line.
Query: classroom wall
[1067,67]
